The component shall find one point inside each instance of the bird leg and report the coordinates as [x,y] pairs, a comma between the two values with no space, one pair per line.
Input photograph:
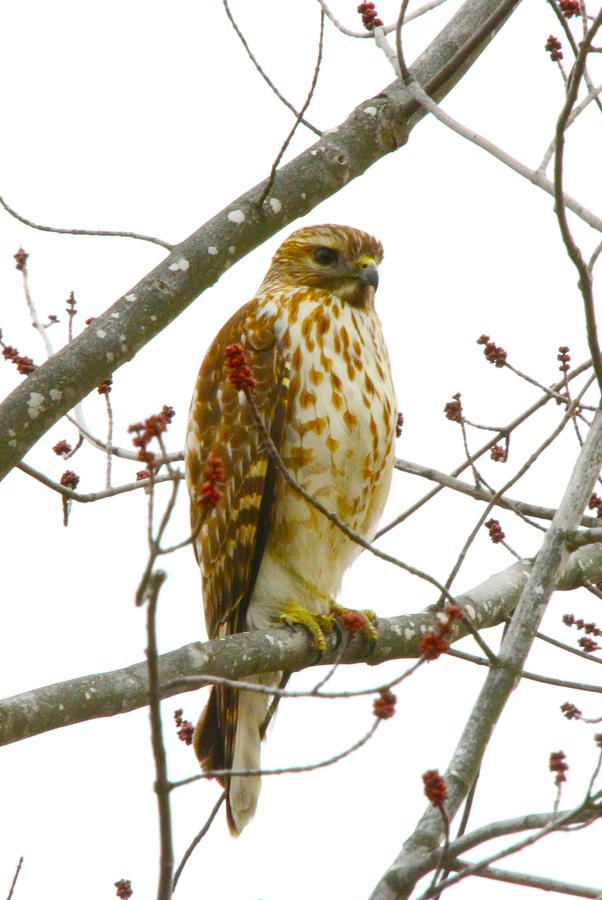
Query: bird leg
[317,624]
[355,620]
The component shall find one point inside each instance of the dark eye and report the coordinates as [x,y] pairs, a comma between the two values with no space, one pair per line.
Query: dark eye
[325,256]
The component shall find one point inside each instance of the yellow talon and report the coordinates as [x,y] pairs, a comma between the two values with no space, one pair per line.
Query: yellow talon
[318,625]
[355,620]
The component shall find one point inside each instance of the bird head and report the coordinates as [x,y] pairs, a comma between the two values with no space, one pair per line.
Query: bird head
[341,260]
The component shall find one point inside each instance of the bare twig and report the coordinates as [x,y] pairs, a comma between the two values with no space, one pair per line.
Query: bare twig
[289,137]
[263,74]
[585,275]
[15,877]
[421,11]
[285,770]
[483,449]
[528,880]
[199,837]
[162,786]
[84,231]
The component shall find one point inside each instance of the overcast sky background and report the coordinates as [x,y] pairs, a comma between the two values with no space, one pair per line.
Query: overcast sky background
[149,117]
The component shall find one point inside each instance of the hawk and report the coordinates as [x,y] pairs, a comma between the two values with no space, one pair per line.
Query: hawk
[323,387]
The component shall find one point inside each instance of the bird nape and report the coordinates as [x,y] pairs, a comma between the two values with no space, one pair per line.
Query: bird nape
[310,349]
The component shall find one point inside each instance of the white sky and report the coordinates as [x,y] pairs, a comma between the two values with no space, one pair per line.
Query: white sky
[149,117]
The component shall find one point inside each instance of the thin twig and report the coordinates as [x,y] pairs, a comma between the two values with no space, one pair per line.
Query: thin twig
[286,770]
[15,877]
[421,11]
[84,231]
[162,787]
[585,275]
[308,99]
[92,497]
[263,74]
[532,676]
[196,841]
[459,469]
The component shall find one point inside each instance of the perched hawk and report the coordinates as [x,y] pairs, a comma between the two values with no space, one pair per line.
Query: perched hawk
[323,386]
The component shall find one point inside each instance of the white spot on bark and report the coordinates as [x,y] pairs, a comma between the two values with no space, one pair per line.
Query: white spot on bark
[12,443]
[409,633]
[110,357]
[179,265]
[153,318]
[114,315]
[471,611]
[123,348]
[237,216]
[131,298]
[61,707]
[371,110]
[231,249]
[101,334]
[55,394]
[35,404]
[12,433]
[275,205]
[212,251]
[303,195]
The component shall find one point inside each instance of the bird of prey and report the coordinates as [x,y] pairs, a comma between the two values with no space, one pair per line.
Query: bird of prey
[322,385]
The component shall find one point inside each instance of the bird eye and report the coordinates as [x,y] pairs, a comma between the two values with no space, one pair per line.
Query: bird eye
[325,256]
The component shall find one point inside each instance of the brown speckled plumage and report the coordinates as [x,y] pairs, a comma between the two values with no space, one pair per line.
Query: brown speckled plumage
[314,343]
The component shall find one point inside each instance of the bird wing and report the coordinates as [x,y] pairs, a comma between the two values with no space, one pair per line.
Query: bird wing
[232,538]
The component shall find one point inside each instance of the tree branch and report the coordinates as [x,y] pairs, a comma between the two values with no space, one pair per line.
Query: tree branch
[375,128]
[400,879]
[249,653]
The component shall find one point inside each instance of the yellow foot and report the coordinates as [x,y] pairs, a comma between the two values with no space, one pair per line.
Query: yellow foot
[318,625]
[355,620]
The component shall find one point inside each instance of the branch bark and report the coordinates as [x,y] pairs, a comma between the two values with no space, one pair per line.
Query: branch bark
[375,128]
[123,690]
[400,879]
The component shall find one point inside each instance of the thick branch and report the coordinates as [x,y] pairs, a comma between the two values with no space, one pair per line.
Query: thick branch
[399,881]
[123,690]
[375,128]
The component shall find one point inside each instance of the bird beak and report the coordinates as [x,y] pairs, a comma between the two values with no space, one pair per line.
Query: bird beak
[368,272]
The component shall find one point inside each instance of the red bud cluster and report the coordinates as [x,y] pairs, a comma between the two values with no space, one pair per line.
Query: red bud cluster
[20,258]
[570,711]
[495,355]
[124,889]
[564,359]
[434,788]
[554,48]
[25,365]
[570,8]
[453,409]
[210,493]
[369,16]
[495,531]
[436,641]
[241,375]
[69,479]
[146,431]
[558,765]
[185,728]
[498,454]
[384,705]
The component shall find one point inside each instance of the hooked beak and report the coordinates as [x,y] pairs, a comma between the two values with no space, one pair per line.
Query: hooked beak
[369,275]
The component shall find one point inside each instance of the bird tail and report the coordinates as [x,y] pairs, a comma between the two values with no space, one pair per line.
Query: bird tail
[228,736]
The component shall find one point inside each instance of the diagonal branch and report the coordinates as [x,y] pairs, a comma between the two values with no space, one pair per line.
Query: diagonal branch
[374,129]
[400,879]
[249,653]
